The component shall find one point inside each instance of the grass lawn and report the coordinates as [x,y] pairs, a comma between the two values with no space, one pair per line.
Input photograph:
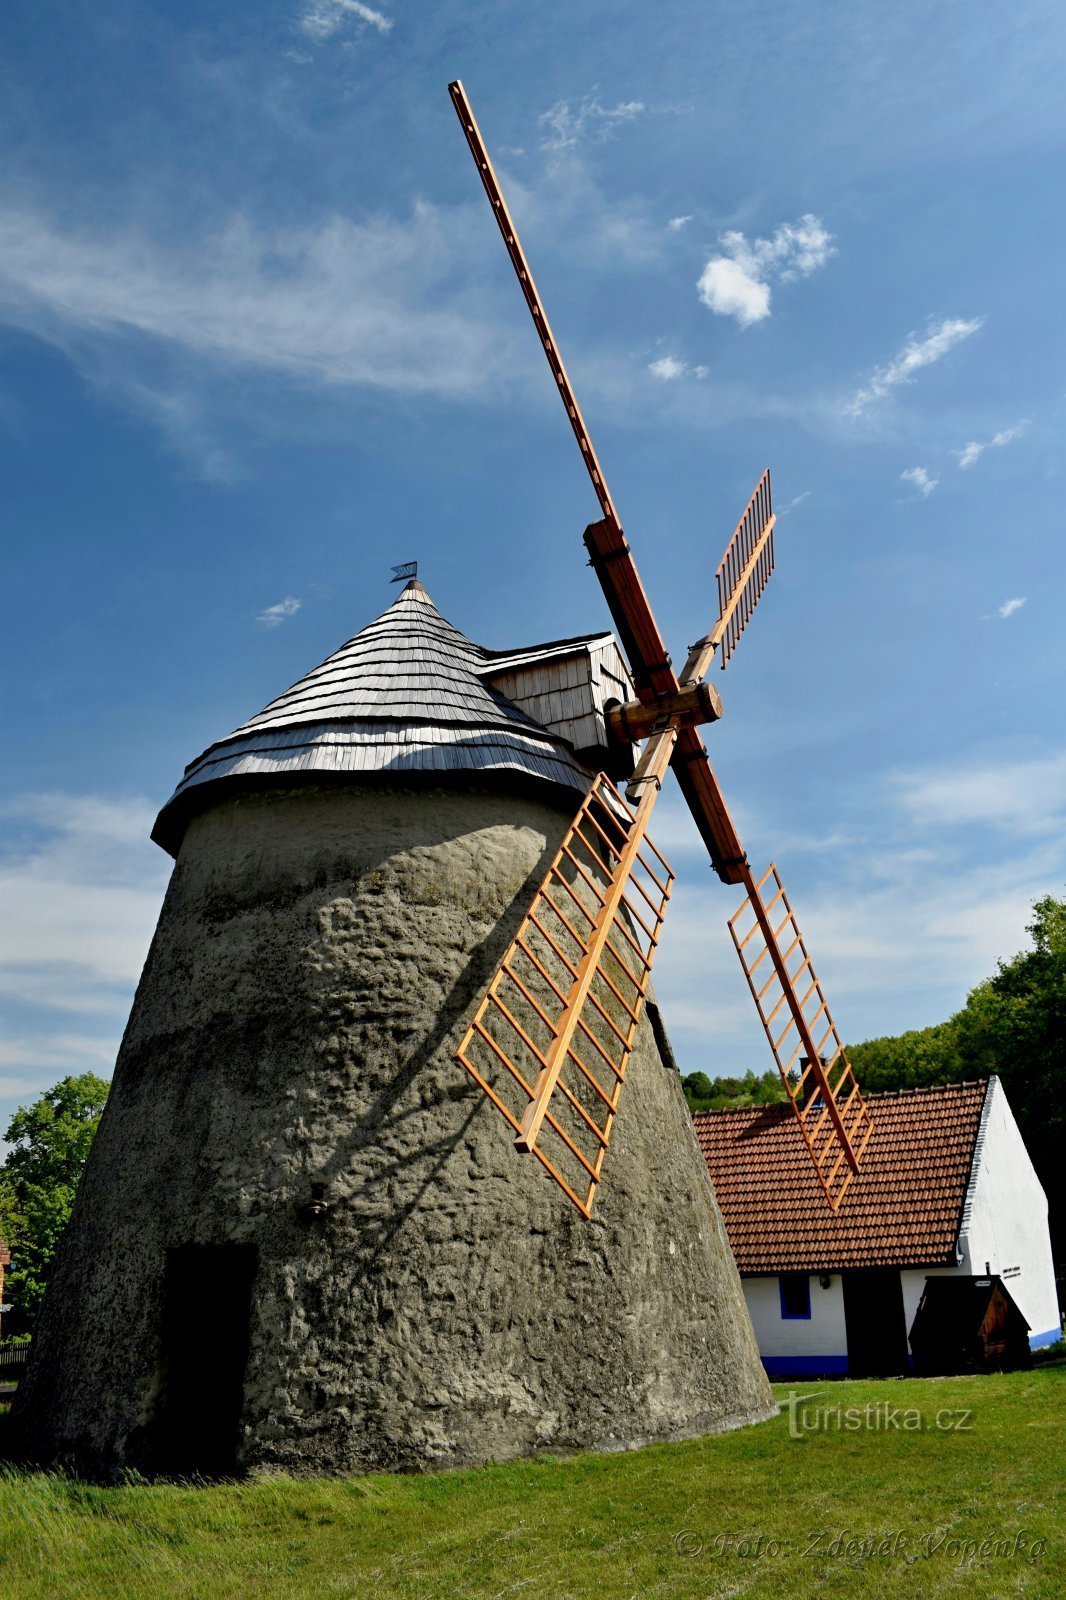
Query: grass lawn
[956,1510]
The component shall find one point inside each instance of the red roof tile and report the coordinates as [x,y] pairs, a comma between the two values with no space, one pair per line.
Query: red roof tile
[903,1207]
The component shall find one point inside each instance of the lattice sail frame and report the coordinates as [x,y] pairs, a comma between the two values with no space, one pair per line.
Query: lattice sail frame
[835,1130]
[745,568]
[544,1013]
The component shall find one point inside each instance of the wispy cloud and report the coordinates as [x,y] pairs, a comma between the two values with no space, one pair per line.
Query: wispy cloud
[384,302]
[974,450]
[570,123]
[322,18]
[668,368]
[677,223]
[1023,797]
[275,615]
[915,354]
[922,480]
[790,505]
[900,923]
[1009,607]
[80,889]
[737,282]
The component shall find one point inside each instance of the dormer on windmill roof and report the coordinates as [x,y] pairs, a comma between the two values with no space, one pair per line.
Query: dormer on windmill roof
[411,694]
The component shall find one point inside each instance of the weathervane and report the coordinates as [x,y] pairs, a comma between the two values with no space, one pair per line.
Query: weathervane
[406,569]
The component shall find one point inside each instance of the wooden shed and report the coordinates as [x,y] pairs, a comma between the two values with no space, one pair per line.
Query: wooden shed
[968,1324]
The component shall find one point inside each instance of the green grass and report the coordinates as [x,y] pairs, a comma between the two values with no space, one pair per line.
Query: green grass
[641,1524]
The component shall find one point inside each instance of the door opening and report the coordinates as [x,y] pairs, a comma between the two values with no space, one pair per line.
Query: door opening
[207,1301]
[875,1323]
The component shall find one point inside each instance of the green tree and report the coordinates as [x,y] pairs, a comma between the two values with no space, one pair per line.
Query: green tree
[910,1060]
[50,1141]
[718,1094]
[1013,1024]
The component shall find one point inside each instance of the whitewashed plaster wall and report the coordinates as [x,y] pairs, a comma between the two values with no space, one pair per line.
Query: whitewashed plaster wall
[822,1334]
[1004,1226]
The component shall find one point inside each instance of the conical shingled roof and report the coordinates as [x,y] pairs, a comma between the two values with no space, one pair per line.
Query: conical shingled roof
[402,696]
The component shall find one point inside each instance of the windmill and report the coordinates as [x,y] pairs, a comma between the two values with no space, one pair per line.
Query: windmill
[551,1037]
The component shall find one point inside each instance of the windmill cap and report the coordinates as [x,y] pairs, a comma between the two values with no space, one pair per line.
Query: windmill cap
[404,696]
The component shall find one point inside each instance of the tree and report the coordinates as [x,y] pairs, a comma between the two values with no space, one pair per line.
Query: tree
[9,1214]
[698,1086]
[50,1142]
[1013,1024]
[716,1094]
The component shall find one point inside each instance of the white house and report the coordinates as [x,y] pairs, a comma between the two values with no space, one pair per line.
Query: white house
[946,1187]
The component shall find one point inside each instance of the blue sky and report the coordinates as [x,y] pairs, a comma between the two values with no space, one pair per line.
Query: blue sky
[260,340]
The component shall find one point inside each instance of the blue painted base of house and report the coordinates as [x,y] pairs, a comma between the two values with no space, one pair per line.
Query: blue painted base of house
[805,1366]
[1037,1341]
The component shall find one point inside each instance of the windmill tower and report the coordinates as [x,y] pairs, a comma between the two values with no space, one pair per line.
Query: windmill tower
[301,1241]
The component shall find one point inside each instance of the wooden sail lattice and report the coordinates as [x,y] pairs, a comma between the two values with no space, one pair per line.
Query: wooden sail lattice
[551,1039]
[833,1117]
[745,568]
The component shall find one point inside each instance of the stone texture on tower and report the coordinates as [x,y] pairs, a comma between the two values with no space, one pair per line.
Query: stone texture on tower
[304,1239]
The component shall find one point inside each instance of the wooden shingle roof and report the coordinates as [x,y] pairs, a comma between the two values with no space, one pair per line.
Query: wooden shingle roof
[404,695]
[904,1206]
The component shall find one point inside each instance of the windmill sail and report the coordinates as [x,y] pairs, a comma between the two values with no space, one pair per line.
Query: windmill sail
[833,1117]
[743,573]
[745,569]
[836,1133]
[550,1042]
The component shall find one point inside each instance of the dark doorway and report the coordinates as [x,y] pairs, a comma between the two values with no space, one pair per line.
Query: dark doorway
[207,1300]
[876,1326]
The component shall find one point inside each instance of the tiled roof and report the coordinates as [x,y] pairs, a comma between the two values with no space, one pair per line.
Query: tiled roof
[903,1208]
[405,695]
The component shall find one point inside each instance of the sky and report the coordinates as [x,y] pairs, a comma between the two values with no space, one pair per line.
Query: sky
[259,341]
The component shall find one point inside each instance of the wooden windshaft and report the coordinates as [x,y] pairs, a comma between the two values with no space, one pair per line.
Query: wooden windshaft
[633,721]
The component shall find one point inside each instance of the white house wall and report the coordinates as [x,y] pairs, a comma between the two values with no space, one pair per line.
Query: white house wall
[1004,1228]
[913,1283]
[796,1345]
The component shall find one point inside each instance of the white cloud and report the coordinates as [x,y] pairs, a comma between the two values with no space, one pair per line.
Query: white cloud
[568,124]
[1020,797]
[1009,607]
[915,354]
[322,18]
[790,505]
[923,481]
[729,289]
[973,451]
[900,924]
[388,303]
[677,223]
[274,616]
[737,282]
[80,889]
[667,368]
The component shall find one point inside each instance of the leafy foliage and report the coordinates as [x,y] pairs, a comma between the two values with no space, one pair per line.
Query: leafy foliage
[718,1094]
[1013,1024]
[50,1142]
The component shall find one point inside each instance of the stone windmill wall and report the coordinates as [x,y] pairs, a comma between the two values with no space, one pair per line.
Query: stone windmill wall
[304,1240]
